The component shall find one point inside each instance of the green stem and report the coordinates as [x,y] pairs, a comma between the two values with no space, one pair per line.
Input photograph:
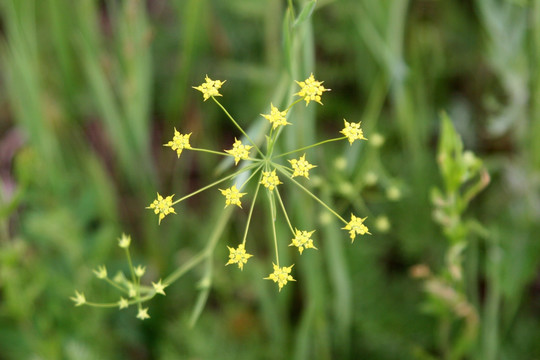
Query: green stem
[294,103]
[215,183]
[287,171]
[221,153]
[251,210]
[115,304]
[249,178]
[101,305]
[284,211]
[180,271]
[238,126]
[279,168]
[210,151]
[273,216]
[311,146]
[130,266]
[142,288]
[272,141]
[291,9]
[274,135]
[207,251]
[116,285]
[138,296]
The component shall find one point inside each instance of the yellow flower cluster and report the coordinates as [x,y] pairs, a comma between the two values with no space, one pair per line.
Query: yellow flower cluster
[265,165]
[353,131]
[136,293]
[356,227]
[232,196]
[238,256]
[301,167]
[179,142]
[210,88]
[270,180]
[162,206]
[239,151]
[302,240]
[311,90]
[281,275]
[276,117]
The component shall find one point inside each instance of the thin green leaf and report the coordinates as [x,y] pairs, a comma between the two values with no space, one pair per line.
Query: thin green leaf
[287,41]
[305,13]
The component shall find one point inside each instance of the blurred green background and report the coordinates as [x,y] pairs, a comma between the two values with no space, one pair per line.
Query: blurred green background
[90,90]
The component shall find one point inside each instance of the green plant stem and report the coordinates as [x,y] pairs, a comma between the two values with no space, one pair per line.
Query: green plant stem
[251,210]
[279,168]
[444,337]
[115,304]
[249,178]
[101,305]
[206,284]
[220,153]
[116,285]
[130,266]
[274,135]
[311,146]
[273,216]
[215,183]
[271,142]
[207,251]
[291,9]
[292,104]
[142,288]
[180,271]
[238,126]
[284,211]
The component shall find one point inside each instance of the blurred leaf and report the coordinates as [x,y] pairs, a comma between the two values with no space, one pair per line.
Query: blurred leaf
[306,12]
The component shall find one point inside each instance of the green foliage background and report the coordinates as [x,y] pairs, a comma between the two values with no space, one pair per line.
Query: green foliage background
[89,90]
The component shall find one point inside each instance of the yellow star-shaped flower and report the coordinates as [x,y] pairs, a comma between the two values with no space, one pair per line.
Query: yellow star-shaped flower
[281,275]
[352,131]
[356,227]
[276,117]
[124,241]
[179,142]
[143,314]
[140,270]
[162,206]
[311,90]
[239,151]
[123,303]
[270,179]
[79,298]
[302,240]
[159,288]
[232,196]
[101,272]
[210,88]
[301,166]
[238,256]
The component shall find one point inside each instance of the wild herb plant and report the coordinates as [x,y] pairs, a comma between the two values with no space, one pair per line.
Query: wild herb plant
[464,176]
[88,86]
[255,163]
